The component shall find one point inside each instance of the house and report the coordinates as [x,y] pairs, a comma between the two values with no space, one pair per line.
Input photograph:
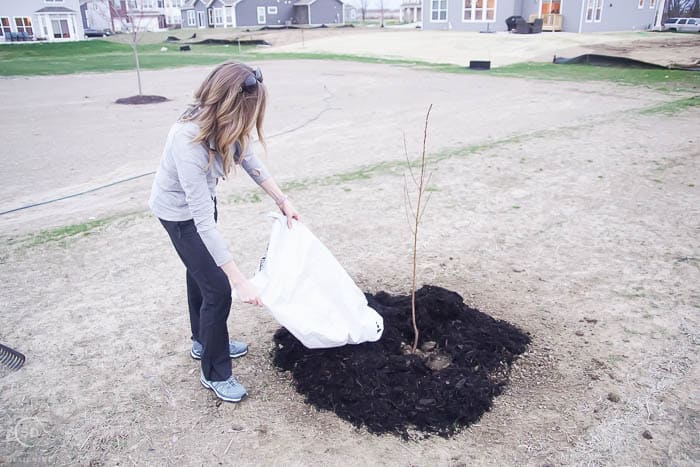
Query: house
[50,20]
[557,15]
[237,13]
[120,18]
[378,13]
[96,14]
[411,11]
[145,15]
[350,12]
[172,9]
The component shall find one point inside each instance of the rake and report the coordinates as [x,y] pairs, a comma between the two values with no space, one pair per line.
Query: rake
[11,358]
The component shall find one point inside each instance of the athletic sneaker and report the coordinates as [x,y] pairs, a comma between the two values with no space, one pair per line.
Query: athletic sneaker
[229,390]
[235,349]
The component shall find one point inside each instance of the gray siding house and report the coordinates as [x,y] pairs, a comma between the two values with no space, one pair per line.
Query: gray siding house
[50,20]
[237,13]
[557,15]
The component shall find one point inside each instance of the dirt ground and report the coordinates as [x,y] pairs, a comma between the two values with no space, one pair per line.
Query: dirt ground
[563,208]
[500,48]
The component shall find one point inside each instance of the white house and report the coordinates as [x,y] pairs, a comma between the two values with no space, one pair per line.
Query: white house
[146,15]
[173,13]
[49,20]
[96,14]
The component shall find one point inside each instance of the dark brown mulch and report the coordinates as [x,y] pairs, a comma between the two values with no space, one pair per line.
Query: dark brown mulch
[141,99]
[381,387]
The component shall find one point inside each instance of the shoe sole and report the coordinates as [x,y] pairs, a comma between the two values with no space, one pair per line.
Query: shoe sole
[223,398]
[238,355]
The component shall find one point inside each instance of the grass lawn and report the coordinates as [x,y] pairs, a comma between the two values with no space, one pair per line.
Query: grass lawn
[104,56]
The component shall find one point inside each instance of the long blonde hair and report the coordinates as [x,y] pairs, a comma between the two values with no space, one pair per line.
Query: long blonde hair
[226,113]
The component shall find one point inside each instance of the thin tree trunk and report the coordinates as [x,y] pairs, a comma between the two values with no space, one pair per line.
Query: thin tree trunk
[138,66]
[421,188]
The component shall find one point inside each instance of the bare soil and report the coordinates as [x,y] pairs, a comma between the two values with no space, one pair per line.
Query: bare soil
[559,207]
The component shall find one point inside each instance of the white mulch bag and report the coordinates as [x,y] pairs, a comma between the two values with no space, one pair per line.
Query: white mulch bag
[308,292]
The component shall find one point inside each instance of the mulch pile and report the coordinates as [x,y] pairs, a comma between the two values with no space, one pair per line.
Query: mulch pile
[141,99]
[383,387]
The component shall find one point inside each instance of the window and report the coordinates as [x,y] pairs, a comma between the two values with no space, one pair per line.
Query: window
[594,11]
[272,10]
[652,3]
[261,15]
[148,4]
[682,21]
[190,18]
[5,26]
[589,11]
[551,7]
[24,25]
[229,15]
[641,4]
[479,10]
[218,16]
[53,1]
[438,10]
[211,16]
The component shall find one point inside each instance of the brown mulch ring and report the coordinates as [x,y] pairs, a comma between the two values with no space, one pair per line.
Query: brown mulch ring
[141,99]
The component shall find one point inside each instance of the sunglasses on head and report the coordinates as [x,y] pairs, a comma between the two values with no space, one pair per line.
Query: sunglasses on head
[252,80]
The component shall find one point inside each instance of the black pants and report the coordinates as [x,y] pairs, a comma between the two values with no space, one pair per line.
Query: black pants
[208,297]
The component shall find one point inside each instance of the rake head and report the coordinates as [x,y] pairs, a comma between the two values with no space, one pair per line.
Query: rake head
[11,358]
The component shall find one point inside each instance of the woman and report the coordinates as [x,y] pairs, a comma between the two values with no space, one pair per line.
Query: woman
[202,147]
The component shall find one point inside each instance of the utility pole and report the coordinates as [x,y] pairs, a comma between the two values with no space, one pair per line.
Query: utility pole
[381,7]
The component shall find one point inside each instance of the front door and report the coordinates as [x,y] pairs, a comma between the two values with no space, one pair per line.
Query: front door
[201,20]
[262,19]
[60,29]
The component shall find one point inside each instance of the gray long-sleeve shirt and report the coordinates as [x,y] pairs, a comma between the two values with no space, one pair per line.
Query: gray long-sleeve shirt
[185,185]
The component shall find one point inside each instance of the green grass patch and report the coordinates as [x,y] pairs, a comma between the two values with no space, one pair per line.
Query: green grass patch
[669,80]
[47,50]
[398,166]
[673,107]
[65,232]
[104,56]
[246,198]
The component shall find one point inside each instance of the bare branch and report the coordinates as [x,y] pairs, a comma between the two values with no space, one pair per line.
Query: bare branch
[422,211]
[407,208]
[408,161]
[408,196]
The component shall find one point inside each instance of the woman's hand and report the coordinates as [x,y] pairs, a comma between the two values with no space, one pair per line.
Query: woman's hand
[289,211]
[247,293]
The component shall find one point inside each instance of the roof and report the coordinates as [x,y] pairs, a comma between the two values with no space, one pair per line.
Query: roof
[55,9]
[303,2]
[189,4]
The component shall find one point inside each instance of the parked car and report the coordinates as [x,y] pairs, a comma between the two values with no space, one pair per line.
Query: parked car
[682,24]
[89,32]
